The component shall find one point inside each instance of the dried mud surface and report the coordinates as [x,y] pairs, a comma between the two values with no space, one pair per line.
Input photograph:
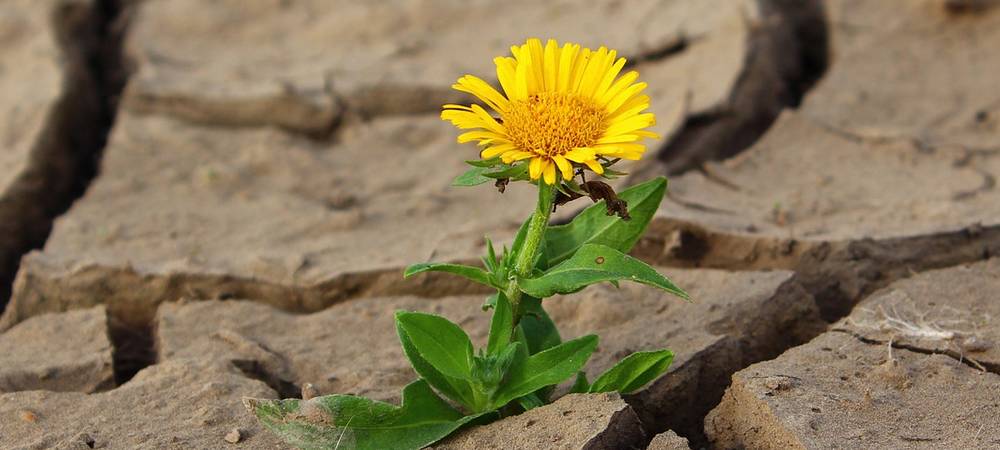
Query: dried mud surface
[258,198]
[736,319]
[838,391]
[856,189]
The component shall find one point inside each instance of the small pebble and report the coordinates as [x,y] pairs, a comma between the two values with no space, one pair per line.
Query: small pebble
[234,436]
[308,391]
[29,416]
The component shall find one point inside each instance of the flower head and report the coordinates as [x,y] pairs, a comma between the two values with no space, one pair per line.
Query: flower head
[562,108]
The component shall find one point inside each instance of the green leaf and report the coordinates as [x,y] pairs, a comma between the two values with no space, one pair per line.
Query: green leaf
[594,263]
[349,422]
[484,162]
[633,372]
[489,370]
[552,366]
[490,260]
[457,389]
[530,401]
[593,225]
[473,273]
[472,177]
[536,328]
[515,172]
[581,385]
[441,343]
[501,326]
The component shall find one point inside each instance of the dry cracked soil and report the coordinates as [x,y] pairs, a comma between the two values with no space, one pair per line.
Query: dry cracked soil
[205,201]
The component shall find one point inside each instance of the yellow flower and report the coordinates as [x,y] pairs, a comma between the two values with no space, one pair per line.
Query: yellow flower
[561,107]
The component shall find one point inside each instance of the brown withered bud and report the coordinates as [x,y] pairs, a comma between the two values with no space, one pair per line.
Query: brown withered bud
[501,184]
[563,198]
[598,190]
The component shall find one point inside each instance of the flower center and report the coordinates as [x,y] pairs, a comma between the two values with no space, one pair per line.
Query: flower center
[553,123]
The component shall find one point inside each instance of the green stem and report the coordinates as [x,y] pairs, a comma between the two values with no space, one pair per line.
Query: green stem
[532,240]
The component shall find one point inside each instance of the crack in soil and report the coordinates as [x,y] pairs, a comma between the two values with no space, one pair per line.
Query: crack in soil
[132,299]
[66,155]
[959,357]
[787,53]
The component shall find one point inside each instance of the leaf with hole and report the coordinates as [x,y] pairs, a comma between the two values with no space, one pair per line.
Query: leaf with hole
[594,263]
[594,226]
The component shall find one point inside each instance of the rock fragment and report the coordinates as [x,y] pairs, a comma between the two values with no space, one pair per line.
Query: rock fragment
[233,436]
[838,391]
[177,404]
[576,421]
[68,351]
[668,440]
[897,372]
[950,311]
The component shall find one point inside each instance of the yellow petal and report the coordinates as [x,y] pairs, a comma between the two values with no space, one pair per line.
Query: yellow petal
[521,85]
[564,166]
[535,167]
[578,67]
[595,166]
[617,139]
[453,106]
[477,135]
[631,124]
[482,90]
[594,72]
[646,134]
[609,76]
[506,73]
[551,64]
[516,155]
[580,154]
[624,96]
[495,150]
[567,57]
[618,86]
[537,63]
[549,172]
[632,107]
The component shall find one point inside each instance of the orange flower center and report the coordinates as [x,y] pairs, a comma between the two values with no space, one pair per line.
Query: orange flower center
[553,123]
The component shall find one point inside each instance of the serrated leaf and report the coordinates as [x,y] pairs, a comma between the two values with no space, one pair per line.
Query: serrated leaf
[501,326]
[350,422]
[594,263]
[457,389]
[472,177]
[441,343]
[528,374]
[594,226]
[472,273]
[633,372]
